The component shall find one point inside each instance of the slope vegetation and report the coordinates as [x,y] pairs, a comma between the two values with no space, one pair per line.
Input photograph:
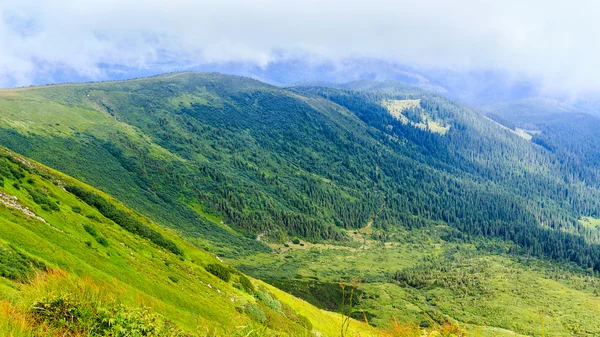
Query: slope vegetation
[70,267]
[281,182]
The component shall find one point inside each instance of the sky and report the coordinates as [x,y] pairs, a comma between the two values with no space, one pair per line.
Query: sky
[554,42]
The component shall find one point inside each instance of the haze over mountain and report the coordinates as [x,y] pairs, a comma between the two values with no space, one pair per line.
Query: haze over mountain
[535,47]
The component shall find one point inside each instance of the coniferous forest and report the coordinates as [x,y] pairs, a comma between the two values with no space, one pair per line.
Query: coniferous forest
[275,180]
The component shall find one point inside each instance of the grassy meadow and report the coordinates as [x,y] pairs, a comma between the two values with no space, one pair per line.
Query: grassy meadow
[427,281]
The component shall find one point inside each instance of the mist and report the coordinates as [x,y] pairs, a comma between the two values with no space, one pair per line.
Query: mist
[541,42]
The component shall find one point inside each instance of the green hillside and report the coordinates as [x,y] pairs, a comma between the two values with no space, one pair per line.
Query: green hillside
[443,216]
[567,132]
[68,268]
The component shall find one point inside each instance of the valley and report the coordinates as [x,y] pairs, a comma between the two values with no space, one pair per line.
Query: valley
[159,195]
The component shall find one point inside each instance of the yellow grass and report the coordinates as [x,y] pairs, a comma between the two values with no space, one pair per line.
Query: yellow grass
[590,222]
[523,134]
[397,107]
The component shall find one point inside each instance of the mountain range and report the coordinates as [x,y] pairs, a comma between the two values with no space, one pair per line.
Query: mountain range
[437,215]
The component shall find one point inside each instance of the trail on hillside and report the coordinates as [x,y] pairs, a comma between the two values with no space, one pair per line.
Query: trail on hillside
[368,228]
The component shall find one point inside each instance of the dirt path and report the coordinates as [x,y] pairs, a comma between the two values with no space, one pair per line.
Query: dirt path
[368,228]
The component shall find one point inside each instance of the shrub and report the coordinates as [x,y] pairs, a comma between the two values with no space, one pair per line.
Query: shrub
[102,240]
[123,218]
[219,271]
[255,313]
[76,209]
[30,181]
[41,198]
[91,231]
[16,265]
[259,294]
[247,284]
[17,186]
[296,241]
[268,300]
[452,330]
[79,318]
[17,173]
[274,304]
[123,321]
[173,279]
[92,217]
[58,311]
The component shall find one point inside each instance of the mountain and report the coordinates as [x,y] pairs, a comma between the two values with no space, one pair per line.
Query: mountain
[439,212]
[74,261]
[478,87]
[566,130]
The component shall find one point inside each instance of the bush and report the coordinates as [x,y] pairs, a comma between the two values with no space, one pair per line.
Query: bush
[102,240]
[76,209]
[91,231]
[219,271]
[274,304]
[173,279]
[17,186]
[41,198]
[247,284]
[123,218]
[16,265]
[58,311]
[268,300]
[92,217]
[30,181]
[296,241]
[79,318]
[255,313]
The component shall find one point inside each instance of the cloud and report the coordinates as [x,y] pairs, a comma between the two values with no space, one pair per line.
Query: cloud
[553,41]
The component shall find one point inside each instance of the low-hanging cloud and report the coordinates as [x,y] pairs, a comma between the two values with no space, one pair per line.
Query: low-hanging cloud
[553,41]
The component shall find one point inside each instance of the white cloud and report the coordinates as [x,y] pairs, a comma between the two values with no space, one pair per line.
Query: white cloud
[551,40]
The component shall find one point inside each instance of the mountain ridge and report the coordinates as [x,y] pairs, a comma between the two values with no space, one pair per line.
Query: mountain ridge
[221,159]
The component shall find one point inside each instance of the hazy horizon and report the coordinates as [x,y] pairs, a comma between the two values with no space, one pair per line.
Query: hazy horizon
[542,46]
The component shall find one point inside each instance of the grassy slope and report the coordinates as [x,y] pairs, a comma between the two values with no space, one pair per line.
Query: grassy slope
[77,124]
[495,293]
[132,269]
[80,135]
[62,125]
